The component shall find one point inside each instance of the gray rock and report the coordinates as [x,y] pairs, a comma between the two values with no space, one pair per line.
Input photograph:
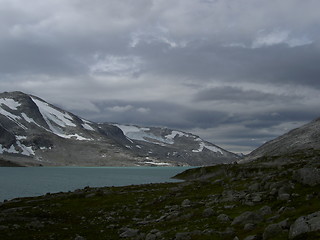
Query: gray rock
[78,237]
[208,212]
[249,227]
[307,176]
[254,187]
[129,232]
[186,203]
[247,217]
[283,210]
[273,191]
[251,237]
[257,198]
[249,203]
[284,189]
[265,210]
[284,197]
[208,231]
[305,224]
[35,224]
[272,231]
[151,236]
[183,236]
[227,233]
[223,218]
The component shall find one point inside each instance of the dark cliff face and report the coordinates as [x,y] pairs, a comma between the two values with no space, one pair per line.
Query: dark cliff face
[40,132]
[6,138]
[304,138]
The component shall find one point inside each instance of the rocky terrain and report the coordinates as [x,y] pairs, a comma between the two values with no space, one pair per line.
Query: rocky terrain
[36,133]
[270,198]
[273,194]
[299,139]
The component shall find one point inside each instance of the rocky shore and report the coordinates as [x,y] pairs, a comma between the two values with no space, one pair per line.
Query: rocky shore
[271,198]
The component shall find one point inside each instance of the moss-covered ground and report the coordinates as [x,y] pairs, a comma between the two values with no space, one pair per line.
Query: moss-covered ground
[167,209]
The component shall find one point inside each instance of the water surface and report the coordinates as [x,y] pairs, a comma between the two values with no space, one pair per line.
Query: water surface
[35,181]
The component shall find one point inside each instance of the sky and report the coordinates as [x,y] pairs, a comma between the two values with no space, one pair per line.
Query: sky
[235,72]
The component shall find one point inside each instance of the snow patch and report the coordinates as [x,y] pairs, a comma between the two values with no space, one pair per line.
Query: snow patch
[174,134]
[27,151]
[74,136]
[131,130]
[12,117]
[158,163]
[142,134]
[51,114]
[12,149]
[57,120]
[10,103]
[203,145]
[9,115]
[87,126]
[21,137]
[29,120]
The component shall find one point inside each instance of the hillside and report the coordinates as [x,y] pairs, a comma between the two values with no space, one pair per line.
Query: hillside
[303,139]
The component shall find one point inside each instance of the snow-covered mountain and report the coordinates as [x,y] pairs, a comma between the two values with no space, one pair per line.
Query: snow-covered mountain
[34,132]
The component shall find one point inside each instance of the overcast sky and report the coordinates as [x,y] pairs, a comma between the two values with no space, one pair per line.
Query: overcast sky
[235,72]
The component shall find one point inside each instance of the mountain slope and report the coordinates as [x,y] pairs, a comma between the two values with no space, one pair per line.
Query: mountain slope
[302,139]
[34,132]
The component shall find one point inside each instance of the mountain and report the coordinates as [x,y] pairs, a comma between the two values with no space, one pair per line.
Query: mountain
[34,132]
[302,140]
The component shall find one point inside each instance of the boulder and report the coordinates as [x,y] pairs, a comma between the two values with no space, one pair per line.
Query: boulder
[183,236]
[129,232]
[208,212]
[186,203]
[305,224]
[223,218]
[272,231]
[247,217]
[254,187]
[307,176]
[284,197]
[227,233]
[249,227]
[265,210]
[251,237]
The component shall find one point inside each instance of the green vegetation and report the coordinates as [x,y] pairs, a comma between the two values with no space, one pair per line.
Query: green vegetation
[207,206]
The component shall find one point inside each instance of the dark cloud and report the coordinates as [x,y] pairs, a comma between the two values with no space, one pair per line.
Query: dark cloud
[234,72]
[239,95]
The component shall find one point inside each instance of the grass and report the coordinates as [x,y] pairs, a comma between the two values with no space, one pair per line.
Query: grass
[101,213]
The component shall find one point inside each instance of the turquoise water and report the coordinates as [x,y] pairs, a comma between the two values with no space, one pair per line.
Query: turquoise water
[35,181]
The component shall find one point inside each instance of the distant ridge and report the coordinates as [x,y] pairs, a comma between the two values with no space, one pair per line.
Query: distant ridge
[34,132]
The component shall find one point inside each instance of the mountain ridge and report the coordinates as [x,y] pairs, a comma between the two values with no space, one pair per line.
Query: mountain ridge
[41,133]
[302,139]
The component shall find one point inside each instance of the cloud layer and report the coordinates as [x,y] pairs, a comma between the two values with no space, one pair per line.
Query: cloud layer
[237,73]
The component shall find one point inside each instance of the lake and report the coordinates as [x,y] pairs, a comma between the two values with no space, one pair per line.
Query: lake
[35,181]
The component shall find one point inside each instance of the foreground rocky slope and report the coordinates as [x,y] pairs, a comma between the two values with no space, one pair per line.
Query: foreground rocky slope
[34,132]
[270,198]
